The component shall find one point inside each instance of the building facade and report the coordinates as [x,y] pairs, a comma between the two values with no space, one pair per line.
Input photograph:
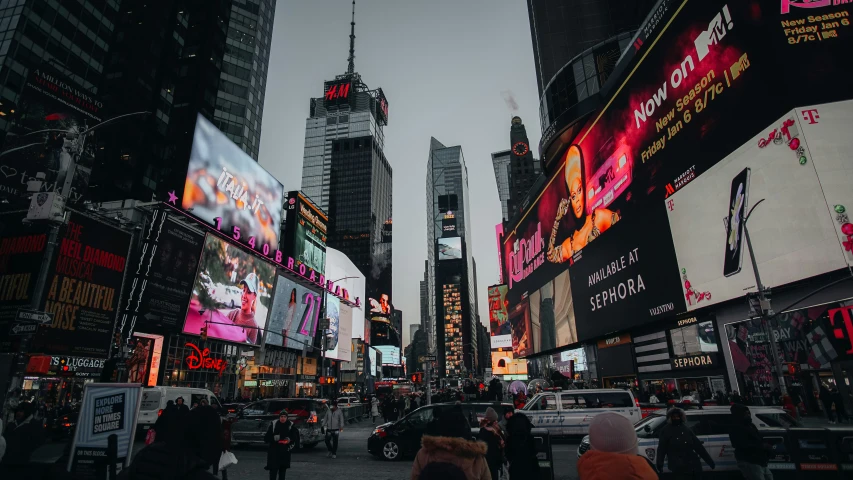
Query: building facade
[450,266]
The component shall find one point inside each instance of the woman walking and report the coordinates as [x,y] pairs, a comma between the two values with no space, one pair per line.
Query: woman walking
[282,437]
[374,408]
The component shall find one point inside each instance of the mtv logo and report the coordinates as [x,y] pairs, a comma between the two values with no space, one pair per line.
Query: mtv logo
[738,67]
[720,25]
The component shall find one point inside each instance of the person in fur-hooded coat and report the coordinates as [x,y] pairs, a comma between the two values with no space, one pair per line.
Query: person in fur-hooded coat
[453,444]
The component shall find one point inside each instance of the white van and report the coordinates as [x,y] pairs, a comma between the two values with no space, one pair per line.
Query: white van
[154,402]
[569,412]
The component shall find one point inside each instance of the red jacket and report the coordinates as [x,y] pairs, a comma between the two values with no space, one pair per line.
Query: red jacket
[595,465]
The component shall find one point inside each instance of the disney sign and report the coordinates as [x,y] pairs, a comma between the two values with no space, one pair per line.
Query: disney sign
[199,359]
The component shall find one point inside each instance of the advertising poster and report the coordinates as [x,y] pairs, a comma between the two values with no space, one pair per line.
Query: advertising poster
[144,365]
[339,340]
[232,294]
[552,315]
[713,261]
[371,357]
[383,331]
[305,231]
[379,282]
[295,315]
[107,409]
[345,274]
[171,275]
[505,363]
[390,354]
[83,289]
[522,336]
[563,361]
[449,248]
[225,183]
[499,326]
[50,131]
[21,251]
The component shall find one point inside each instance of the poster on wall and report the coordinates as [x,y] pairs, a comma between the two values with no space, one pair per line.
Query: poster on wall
[232,294]
[52,130]
[295,315]
[499,317]
[83,288]
[171,275]
[784,229]
[21,250]
[230,191]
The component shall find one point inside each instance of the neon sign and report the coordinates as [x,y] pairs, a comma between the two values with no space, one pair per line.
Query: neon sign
[199,359]
[339,91]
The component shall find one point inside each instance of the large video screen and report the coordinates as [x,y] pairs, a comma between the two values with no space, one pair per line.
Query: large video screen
[505,363]
[339,341]
[545,320]
[232,294]
[390,354]
[450,248]
[499,317]
[563,361]
[295,315]
[225,183]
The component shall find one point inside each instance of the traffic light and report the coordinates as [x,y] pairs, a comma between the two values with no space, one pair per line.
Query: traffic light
[417,377]
[204,333]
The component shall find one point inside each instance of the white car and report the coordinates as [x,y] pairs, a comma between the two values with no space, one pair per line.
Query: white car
[154,402]
[710,424]
[569,412]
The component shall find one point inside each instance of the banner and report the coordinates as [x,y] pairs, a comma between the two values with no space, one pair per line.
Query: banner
[83,289]
[499,326]
[21,253]
[107,409]
[295,315]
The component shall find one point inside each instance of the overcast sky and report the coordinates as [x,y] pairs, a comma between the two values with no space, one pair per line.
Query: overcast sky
[442,65]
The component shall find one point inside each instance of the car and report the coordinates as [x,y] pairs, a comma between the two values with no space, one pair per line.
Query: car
[255,418]
[154,402]
[233,408]
[710,424]
[569,412]
[394,440]
[348,401]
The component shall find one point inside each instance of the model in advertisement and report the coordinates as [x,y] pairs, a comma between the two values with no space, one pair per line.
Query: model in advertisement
[245,315]
[289,316]
[587,226]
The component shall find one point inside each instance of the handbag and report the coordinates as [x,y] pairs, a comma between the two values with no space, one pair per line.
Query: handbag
[150,436]
[226,460]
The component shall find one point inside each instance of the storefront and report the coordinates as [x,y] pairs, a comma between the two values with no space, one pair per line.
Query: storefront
[306,386]
[59,379]
[616,362]
[189,362]
[680,360]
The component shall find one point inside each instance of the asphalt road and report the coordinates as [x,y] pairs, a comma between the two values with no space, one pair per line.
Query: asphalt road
[353,460]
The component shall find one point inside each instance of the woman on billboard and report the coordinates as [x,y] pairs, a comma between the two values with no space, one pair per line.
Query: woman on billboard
[245,315]
[590,226]
[288,318]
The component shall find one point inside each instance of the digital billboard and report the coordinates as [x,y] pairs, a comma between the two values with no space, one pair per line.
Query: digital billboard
[390,354]
[552,315]
[305,230]
[22,248]
[295,315]
[505,363]
[499,317]
[232,294]
[449,248]
[563,361]
[83,288]
[340,269]
[54,130]
[383,331]
[230,191]
[339,340]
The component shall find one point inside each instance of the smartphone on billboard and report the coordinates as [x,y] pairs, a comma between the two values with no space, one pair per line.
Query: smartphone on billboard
[734,227]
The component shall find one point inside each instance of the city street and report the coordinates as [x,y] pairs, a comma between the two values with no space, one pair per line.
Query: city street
[353,460]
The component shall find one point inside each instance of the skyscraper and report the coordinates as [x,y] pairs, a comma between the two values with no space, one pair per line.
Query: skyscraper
[427,316]
[450,273]
[346,174]
[500,162]
[516,171]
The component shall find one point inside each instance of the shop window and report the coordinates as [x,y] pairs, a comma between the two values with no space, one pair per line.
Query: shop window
[545,402]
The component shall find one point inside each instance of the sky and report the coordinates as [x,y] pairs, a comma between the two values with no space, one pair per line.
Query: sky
[443,65]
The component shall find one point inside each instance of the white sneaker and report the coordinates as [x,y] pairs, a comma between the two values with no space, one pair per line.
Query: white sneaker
[334,456]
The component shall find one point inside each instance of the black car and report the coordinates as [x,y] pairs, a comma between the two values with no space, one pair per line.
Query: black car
[403,437]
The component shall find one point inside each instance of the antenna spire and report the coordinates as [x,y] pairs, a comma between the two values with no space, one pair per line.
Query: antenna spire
[351,67]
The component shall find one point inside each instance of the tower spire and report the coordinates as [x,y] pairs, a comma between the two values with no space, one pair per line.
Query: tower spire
[351,67]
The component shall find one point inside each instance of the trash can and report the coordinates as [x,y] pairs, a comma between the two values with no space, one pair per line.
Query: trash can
[544,454]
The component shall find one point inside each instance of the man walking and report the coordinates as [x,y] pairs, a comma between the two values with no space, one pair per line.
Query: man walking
[334,426]
[682,447]
[751,452]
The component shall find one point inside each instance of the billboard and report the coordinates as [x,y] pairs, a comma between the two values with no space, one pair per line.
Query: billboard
[552,316]
[339,340]
[295,315]
[340,269]
[171,274]
[230,191]
[499,326]
[304,235]
[390,354]
[383,331]
[54,130]
[231,294]
[21,250]
[83,288]
[784,229]
[563,361]
[449,248]
[505,363]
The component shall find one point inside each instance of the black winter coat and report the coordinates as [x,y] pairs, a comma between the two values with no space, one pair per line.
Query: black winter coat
[158,461]
[278,455]
[683,448]
[207,425]
[748,444]
[22,440]
[495,454]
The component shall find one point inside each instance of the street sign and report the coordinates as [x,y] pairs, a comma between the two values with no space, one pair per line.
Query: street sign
[426,358]
[23,328]
[33,316]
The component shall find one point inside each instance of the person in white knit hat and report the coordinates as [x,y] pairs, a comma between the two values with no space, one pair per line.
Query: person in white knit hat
[613,451]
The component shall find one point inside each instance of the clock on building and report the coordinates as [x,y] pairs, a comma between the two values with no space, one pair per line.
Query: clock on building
[520,149]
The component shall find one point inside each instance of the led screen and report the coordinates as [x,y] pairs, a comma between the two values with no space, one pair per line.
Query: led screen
[505,363]
[295,315]
[450,248]
[499,317]
[390,355]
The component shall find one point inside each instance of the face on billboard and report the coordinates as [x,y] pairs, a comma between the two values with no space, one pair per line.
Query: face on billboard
[390,354]
[339,340]
[450,248]
[231,294]
[381,305]
[499,317]
[230,191]
[295,315]
[504,363]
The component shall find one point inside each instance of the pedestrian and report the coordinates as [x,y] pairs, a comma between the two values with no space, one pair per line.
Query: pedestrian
[493,436]
[374,408]
[205,421]
[282,437]
[326,413]
[183,409]
[681,446]
[417,401]
[751,453]
[613,451]
[23,434]
[520,448]
[386,408]
[226,440]
[164,425]
[334,426]
[441,471]
[838,401]
[826,401]
[2,443]
[453,444]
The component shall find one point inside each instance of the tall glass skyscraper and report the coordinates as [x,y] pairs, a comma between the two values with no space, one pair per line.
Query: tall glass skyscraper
[451,281]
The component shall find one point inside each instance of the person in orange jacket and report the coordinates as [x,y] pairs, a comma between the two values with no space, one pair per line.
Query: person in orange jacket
[613,451]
